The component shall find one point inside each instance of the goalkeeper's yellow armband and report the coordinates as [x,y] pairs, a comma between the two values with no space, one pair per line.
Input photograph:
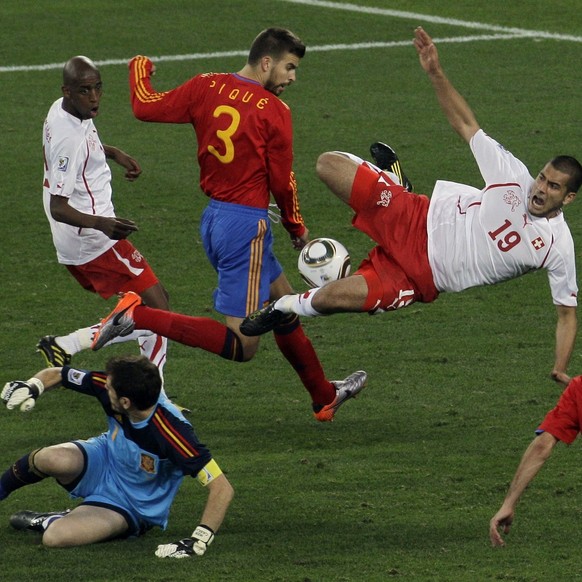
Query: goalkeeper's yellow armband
[209,472]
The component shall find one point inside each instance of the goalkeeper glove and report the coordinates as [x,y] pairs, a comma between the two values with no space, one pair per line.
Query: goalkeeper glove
[22,393]
[201,538]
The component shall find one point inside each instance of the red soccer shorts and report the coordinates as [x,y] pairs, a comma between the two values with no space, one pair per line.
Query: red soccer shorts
[397,271]
[122,268]
[564,421]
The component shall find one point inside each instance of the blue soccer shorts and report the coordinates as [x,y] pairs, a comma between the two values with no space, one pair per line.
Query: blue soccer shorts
[239,244]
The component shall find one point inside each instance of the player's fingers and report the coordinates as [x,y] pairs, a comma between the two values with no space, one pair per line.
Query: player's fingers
[28,405]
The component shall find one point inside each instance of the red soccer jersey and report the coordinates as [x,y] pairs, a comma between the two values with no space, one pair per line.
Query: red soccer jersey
[244,133]
[565,420]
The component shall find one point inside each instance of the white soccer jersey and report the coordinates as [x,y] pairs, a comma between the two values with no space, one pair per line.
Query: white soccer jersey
[75,167]
[481,237]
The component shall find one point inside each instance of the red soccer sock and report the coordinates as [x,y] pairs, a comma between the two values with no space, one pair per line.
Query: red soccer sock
[299,351]
[197,332]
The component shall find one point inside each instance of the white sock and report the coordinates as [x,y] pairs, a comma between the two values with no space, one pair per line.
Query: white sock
[76,341]
[154,347]
[151,345]
[81,339]
[299,304]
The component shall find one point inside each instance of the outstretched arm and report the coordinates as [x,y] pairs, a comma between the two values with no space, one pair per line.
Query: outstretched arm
[566,329]
[19,393]
[532,461]
[454,106]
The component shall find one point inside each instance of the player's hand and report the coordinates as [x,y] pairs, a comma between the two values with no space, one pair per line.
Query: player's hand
[181,549]
[115,228]
[23,394]
[561,378]
[132,168]
[503,518]
[201,538]
[300,241]
[427,51]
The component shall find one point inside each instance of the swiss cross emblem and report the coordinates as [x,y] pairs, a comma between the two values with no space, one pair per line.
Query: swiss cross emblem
[538,243]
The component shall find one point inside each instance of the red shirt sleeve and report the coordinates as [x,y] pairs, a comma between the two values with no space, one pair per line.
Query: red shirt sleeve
[565,419]
[244,135]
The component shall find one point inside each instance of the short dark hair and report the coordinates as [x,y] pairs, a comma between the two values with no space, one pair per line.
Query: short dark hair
[136,378]
[571,166]
[275,42]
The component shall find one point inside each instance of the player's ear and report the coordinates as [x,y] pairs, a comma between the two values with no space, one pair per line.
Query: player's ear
[125,403]
[266,63]
[66,91]
[569,198]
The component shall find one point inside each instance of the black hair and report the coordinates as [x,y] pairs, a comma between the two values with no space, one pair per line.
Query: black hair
[275,42]
[571,166]
[136,378]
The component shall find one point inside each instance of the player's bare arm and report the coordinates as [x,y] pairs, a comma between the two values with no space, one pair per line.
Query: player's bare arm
[566,330]
[454,106]
[115,228]
[532,461]
[23,394]
[132,168]
[220,495]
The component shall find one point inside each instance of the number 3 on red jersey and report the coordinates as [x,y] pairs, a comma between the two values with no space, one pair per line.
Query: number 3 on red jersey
[225,135]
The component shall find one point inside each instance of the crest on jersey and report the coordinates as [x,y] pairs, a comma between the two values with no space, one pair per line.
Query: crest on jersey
[147,463]
[511,198]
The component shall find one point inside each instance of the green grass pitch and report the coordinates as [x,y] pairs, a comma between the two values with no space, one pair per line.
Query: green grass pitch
[403,484]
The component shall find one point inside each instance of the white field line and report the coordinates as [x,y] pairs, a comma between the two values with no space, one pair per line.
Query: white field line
[434,19]
[503,33]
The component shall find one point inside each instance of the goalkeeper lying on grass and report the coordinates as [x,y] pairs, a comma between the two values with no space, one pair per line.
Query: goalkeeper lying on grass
[127,477]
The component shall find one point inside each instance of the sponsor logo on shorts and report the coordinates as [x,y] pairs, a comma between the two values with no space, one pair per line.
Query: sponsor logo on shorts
[385,198]
[137,256]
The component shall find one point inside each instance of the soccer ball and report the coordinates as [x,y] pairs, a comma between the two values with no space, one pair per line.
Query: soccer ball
[323,260]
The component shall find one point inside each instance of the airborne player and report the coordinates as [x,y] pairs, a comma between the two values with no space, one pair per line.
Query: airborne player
[465,237]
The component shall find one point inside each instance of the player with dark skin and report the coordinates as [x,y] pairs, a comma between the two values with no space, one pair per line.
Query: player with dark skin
[90,241]
[82,90]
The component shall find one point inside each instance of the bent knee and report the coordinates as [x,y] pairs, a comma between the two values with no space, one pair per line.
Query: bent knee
[325,164]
